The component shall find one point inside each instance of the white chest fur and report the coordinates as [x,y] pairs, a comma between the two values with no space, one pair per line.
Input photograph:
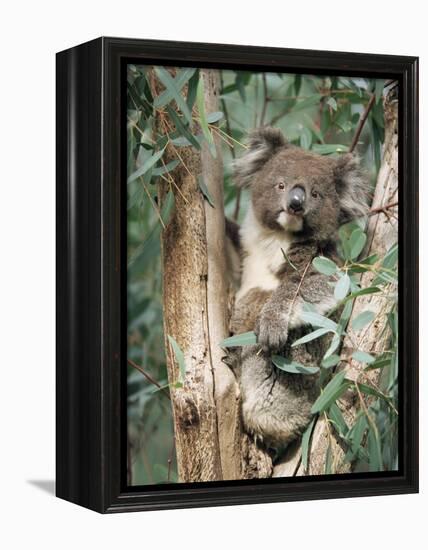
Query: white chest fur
[264,254]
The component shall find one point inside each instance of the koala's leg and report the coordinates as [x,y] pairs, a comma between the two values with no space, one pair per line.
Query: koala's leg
[275,405]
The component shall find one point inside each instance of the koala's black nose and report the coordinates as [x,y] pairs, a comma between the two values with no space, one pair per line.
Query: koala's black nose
[296,199]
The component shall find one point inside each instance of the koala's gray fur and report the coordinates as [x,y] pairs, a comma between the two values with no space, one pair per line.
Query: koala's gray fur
[277,247]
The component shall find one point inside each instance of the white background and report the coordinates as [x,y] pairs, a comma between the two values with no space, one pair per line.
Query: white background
[30,34]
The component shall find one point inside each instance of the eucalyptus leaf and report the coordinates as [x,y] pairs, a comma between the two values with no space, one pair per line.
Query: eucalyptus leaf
[151,161]
[205,192]
[362,320]
[170,84]
[244,339]
[306,439]
[311,336]
[324,265]
[318,320]
[179,355]
[330,361]
[363,357]
[342,287]
[334,389]
[292,367]
[184,130]
[180,80]
[357,242]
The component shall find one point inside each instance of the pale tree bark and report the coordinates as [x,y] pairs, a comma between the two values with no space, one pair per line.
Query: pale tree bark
[382,234]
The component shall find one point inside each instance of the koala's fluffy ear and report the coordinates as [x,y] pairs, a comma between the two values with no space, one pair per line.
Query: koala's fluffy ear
[352,186]
[262,144]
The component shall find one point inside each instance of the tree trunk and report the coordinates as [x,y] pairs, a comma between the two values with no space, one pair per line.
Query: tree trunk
[382,233]
[195,294]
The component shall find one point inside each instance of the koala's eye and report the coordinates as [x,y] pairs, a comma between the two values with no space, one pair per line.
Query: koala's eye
[315,194]
[281,185]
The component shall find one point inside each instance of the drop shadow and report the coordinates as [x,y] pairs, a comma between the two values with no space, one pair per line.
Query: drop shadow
[46,485]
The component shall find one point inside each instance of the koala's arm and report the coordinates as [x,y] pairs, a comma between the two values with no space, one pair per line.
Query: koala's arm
[299,282]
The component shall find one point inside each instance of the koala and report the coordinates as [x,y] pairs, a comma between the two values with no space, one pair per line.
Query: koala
[299,199]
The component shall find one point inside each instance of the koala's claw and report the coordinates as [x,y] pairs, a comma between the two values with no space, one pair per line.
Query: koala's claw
[271,331]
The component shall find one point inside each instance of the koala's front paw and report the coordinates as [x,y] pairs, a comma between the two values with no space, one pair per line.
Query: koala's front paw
[271,329]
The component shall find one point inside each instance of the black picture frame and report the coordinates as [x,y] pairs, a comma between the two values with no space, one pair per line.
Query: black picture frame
[91,218]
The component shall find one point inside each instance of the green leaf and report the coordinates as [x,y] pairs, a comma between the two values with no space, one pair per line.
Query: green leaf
[324,265]
[200,101]
[334,389]
[214,117]
[191,90]
[179,355]
[379,88]
[375,453]
[362,320]
[363,357]
[363,291]
[180,80]
[244,339]
[204,190]
[332,103]
[357,242]
[292,367]
[330,361]
[184,130]
[335,341]
[369,390]
[335,414]
[317,320]
[306,439]
[171,85]
[311,336]
[151,161]
[165,169]
[342,287]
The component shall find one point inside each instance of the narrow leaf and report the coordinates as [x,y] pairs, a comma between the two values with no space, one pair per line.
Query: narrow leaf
[334,389]
[179,81]
[292,367]
[330,361]
[184,130]
[171,85]
[151,161]
[179,355]
[244,339]
[306,439]
[318,320]
[311,336]
[363,357]
[205,192]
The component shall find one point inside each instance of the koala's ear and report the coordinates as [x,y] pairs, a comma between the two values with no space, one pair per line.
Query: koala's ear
[352,186]
[262,143]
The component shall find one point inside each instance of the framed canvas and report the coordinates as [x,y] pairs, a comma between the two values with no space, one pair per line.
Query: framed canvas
[237,284]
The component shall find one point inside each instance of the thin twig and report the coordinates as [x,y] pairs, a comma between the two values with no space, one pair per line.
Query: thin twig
[148,376]
[361,122]
[266,100]
[298,289]
[382,208]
